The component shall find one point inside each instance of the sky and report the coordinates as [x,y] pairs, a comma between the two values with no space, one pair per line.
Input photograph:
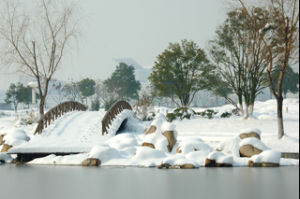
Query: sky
[137,29]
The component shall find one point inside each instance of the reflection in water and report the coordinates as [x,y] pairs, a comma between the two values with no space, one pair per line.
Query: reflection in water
[43,182]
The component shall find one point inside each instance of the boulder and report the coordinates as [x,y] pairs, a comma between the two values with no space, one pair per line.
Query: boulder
[187,166]
[249,134]
[152,129]
[5,147]
[251,163]
[1,139]
[210,163]
[223,165]
[248,151]
[171,139]
[270,164]
[178,150]
[91,162]
[150,145]
[164,165]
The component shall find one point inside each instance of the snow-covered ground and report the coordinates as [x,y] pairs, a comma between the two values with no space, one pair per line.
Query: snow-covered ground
[81,132]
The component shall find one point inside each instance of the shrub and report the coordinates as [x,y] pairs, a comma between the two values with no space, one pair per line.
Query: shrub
[181,113]
[95,105]
[208,113]
[226,115]
[171,117]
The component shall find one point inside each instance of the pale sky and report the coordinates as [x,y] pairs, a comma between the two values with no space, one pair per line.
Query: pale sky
[137,29]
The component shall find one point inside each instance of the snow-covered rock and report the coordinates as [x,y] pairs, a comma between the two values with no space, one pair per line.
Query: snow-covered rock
[251,146]
[218,159]
[103,153]
[230,146]
[266,158]
[250,132]
[187,146]
[15,137]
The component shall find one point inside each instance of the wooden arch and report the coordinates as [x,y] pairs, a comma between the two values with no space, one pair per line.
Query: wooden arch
[112,113]
[57,112]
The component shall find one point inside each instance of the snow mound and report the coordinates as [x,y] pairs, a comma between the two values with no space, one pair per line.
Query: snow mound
[269,156]
[146,153]
[220,157]
[230,146]
[4,157]
[167,126]
[249,130]
[158,140]
[254,142]
[122,141]
[188,146]
[116,123]
[15,137]
[104,153]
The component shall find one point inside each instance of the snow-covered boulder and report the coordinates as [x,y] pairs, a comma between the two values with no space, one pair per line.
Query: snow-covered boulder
[230,146]
[1,139]
[161,135]
[190,145]
[4,158]
[268,158]
[103,153]
[251,146]
[91,162]
[168,130]
[148,157]
[252,132]
[122,141]
[218,159]
[13,137]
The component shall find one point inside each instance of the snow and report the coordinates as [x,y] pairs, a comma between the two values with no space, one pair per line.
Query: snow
[220,157]
[249,130]
[103,153]
[15,137]
[269,156]
[230,146]
[81,132]
[254,142]
[188,146]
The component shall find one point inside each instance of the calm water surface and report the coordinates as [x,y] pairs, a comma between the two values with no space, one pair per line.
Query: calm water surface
[43,182]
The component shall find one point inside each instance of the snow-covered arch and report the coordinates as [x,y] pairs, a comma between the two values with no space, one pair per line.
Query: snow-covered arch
[116,118]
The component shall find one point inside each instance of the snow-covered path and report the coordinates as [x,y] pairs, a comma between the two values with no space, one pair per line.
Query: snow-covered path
[74,132]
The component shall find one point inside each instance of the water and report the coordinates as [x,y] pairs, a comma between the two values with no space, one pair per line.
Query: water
[43,182]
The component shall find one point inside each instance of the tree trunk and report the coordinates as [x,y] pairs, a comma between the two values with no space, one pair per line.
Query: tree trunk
[250,109]
[42,105]
[246,113]
[279,101]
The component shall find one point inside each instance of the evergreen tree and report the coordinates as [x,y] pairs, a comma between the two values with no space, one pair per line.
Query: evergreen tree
[123,82]
[86,88]
[12,96]
[180,71]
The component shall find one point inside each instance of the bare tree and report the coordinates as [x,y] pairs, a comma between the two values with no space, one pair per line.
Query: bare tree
[281,42]
[35,39]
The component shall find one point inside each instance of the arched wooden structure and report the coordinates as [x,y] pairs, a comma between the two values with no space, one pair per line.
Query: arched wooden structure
[111,114]
[56,112]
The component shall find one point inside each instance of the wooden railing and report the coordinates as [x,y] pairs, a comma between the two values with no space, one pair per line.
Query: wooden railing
[57,112]
[111,114]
